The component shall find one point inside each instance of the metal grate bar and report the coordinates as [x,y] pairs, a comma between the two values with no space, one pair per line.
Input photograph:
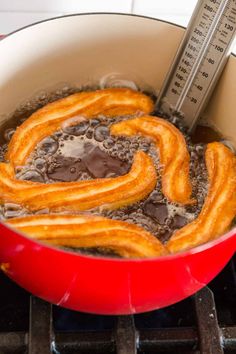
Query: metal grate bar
[210,340]
[126,335]
[168,338]
[13,342]
[84,342]
[229,338]
[40,328]
[163,339]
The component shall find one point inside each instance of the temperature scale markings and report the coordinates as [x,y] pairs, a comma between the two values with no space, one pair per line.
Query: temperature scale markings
[200,59]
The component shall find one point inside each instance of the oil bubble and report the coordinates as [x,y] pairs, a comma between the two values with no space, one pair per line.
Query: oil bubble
[9,133]
[40,163]
[101,132]
[31,175]
[78,129]
[48,146]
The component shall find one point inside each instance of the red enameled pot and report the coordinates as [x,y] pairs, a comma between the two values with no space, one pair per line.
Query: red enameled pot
[82,49]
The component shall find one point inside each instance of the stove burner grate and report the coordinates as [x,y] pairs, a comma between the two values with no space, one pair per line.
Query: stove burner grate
[202,324]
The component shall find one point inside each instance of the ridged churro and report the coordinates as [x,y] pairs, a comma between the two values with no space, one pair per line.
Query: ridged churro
[107,193]
[89,231]
[47,120]
[81,231]
[174,156]
[219,207]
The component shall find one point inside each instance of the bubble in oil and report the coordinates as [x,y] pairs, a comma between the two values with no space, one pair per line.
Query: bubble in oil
[78,129]
[8,134]
[31,175]
[47,146]
[12,210]
[73,169]
[108,143]
[121,155]
[119,145]
[94,122]
[116,79]
[89,133]
[40,163]
[101,133]
[199,148]
[229,144]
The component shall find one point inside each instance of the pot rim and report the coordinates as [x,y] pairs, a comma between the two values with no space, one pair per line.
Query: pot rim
[181,254]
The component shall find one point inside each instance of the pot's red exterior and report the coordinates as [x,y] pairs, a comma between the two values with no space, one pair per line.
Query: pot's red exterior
[110,286]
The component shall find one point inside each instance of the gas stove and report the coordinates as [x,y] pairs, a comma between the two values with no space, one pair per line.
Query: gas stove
[202,324]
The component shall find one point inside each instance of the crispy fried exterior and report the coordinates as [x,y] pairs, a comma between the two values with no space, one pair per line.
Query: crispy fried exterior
[219,207]
[108,193]
[127,240]
[174,156]
[47,120]
[81,231]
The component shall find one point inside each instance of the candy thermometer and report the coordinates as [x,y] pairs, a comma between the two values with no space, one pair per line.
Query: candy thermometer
[200,60]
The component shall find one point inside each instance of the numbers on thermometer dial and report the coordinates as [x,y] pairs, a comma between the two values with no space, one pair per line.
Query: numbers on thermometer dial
[200,59]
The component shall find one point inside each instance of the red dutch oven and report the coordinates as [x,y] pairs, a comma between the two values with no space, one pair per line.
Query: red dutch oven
[82,49]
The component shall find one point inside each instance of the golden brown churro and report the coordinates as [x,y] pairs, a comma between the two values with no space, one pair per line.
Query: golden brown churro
[108,193]
[85,231]
[47,120]
[174,155]
[219,207]
[81,231]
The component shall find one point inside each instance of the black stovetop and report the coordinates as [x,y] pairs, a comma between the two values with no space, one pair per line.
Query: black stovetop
[204,323]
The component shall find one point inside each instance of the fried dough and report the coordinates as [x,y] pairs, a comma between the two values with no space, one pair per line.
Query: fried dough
[47,120]
[174,156]
[107,193]
[129,241]
[219,208]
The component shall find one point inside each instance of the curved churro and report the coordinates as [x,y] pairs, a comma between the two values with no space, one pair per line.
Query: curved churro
[173,152]
[126,239]
[108,193]
[45,121]
[81,231]
[219,207]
